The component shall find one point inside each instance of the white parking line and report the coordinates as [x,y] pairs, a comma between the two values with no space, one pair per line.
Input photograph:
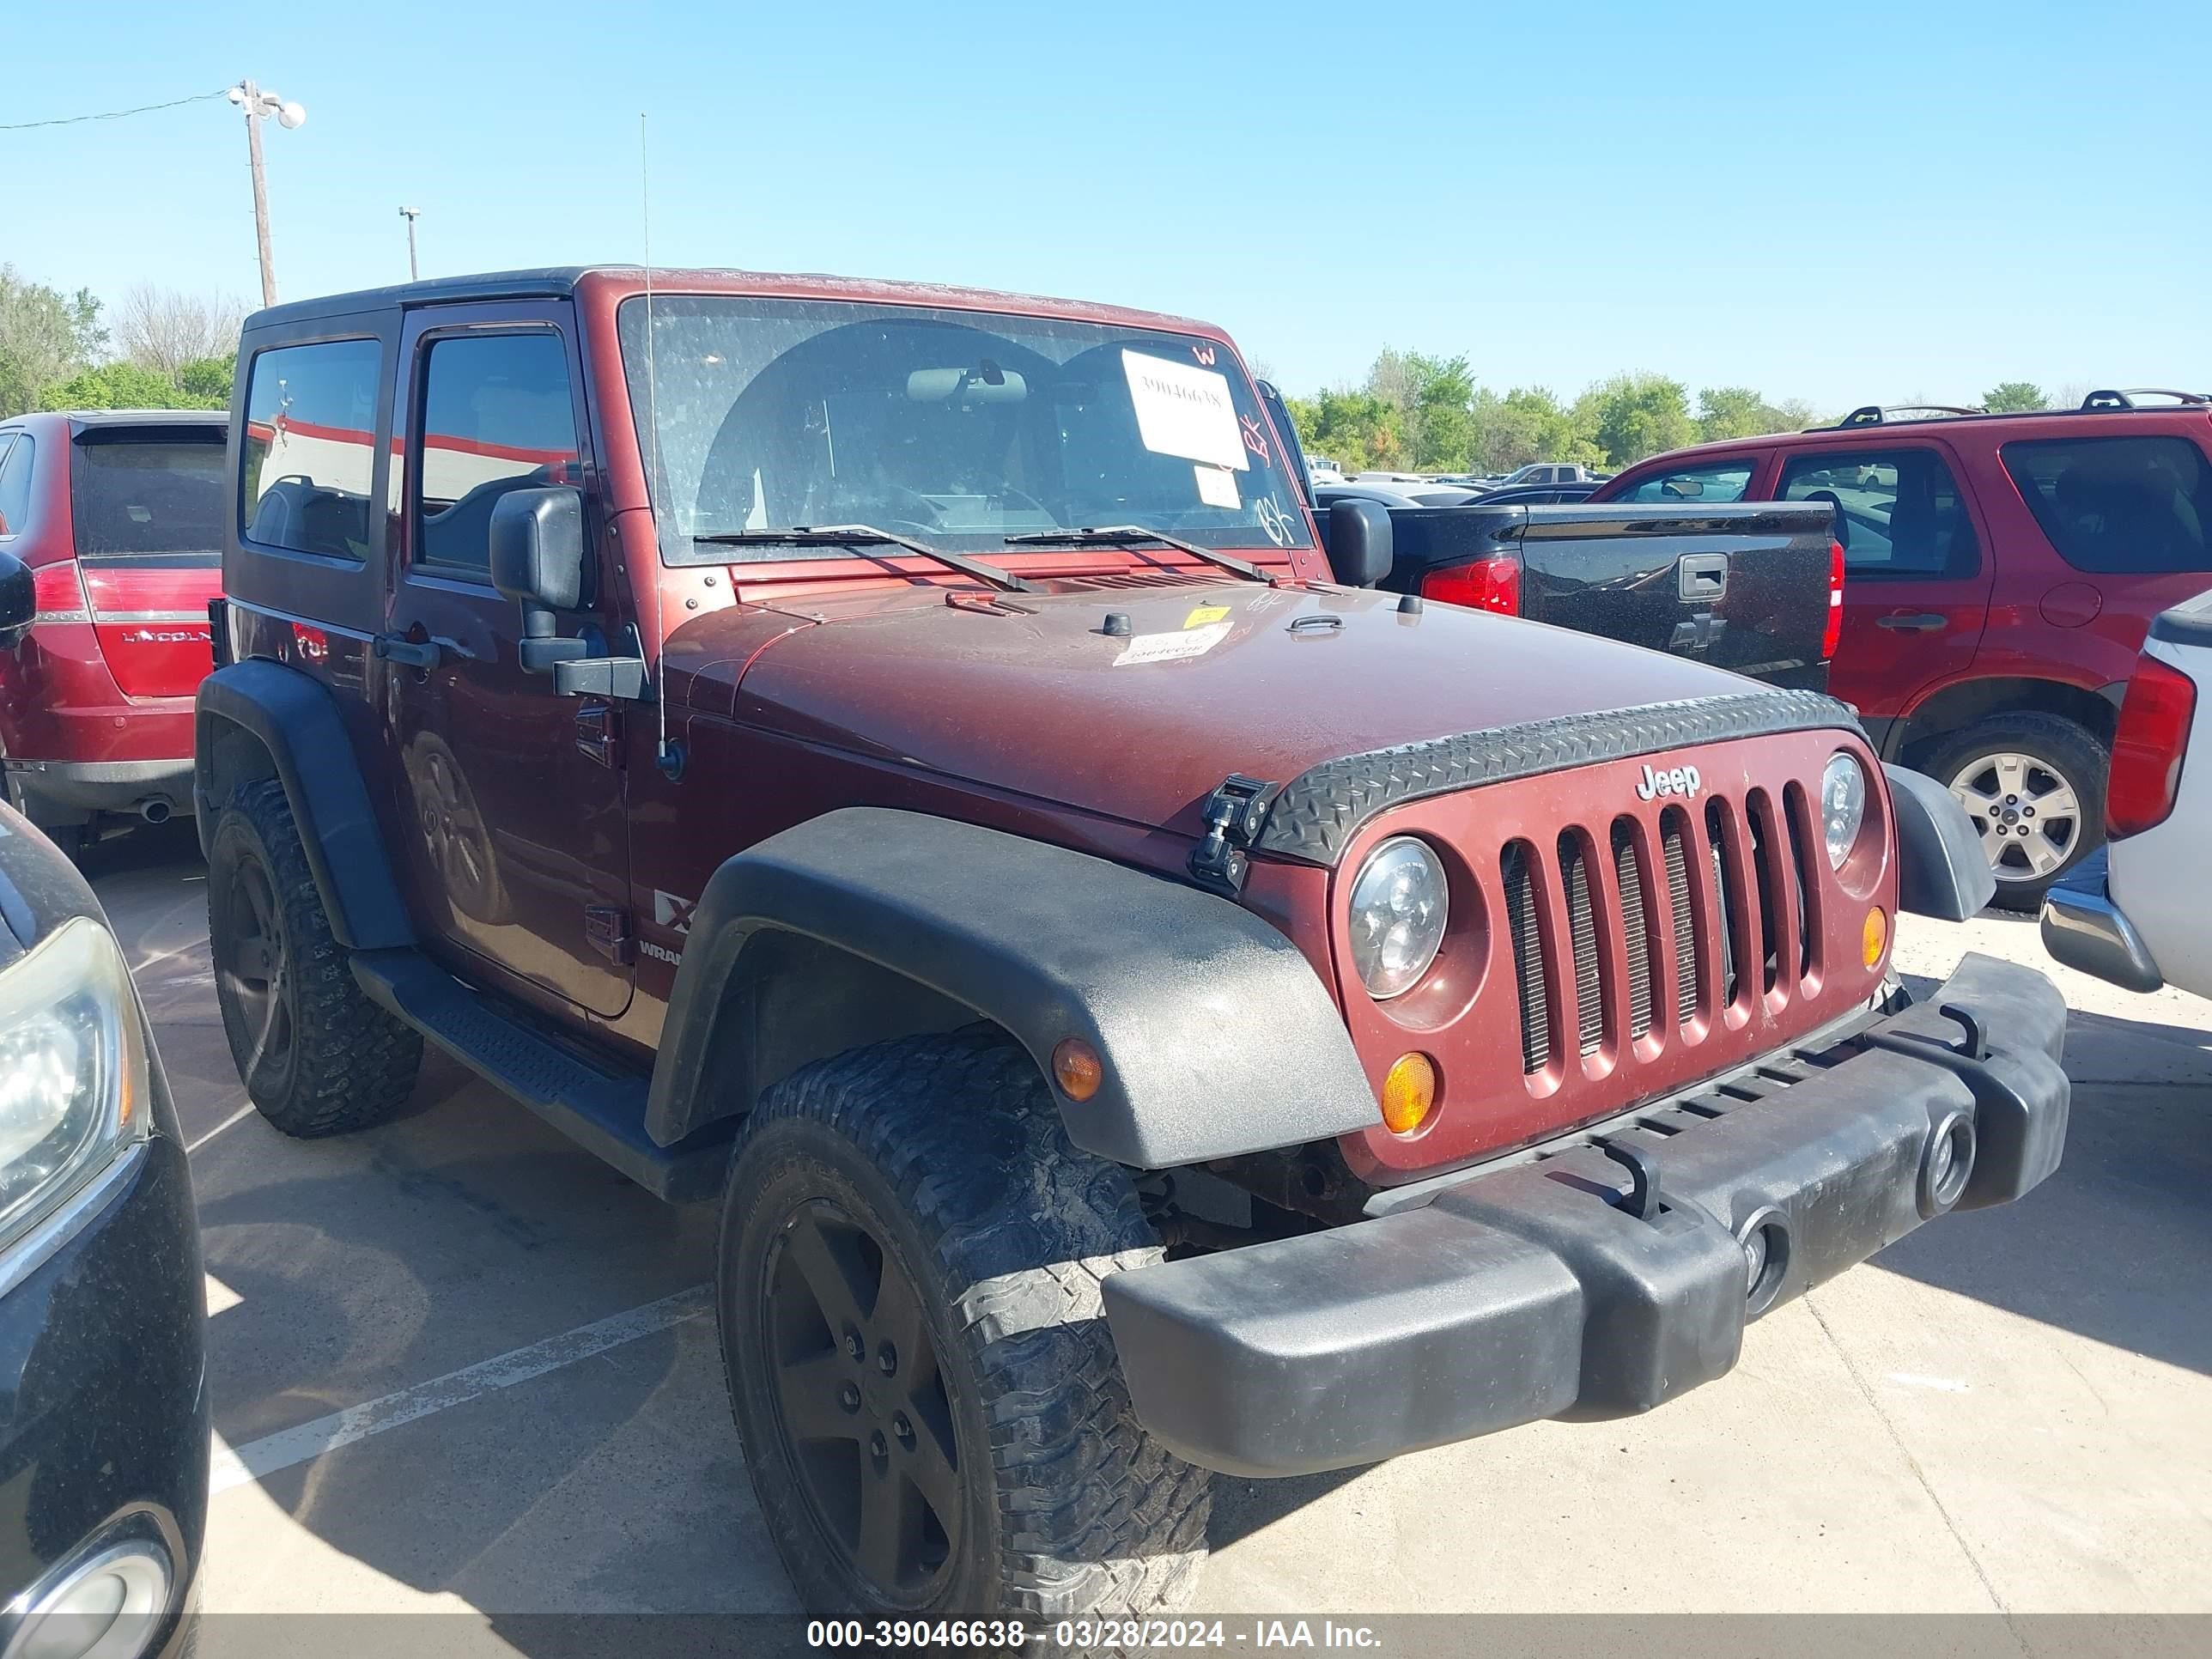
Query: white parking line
[1941,1384]
[235,1466]
[238,1116]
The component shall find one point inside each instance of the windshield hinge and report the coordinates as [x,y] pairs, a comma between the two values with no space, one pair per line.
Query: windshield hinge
[1233,814]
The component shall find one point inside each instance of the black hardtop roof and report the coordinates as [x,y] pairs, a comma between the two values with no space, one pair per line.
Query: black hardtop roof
[563,282]
[554,281]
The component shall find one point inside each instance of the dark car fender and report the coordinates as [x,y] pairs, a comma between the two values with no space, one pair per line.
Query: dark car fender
[259,719]
[1942,870]
[1218,1036]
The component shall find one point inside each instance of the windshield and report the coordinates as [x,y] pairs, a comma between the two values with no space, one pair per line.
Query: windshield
[954,428]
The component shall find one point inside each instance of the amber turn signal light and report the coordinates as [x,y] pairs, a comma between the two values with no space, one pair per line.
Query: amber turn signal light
[1874,938]
[1409,1093]
[1077,1068]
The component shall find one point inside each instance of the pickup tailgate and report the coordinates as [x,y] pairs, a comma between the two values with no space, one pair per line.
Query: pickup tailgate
[1740,585]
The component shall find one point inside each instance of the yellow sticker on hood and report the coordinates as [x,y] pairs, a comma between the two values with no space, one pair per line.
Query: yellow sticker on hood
[1203,615]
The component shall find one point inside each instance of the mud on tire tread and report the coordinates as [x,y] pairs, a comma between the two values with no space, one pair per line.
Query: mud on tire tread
[353,1065]
[1096,1517]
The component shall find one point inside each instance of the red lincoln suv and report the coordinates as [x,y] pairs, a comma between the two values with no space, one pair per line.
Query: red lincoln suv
[119,513]
[2001,571]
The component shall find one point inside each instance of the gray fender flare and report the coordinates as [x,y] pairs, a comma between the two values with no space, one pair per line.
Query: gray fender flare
[296,721]
[1942,870]
[1218,1036]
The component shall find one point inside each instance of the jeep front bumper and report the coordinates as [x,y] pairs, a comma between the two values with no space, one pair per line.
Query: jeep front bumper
[1578,1284]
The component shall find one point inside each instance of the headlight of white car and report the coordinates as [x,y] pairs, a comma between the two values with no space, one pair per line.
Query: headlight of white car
[72,1070]
[1843,807]
[1397,921]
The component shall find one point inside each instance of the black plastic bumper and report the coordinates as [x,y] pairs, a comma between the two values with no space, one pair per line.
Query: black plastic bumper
[2083,928]
[1573,1287]
[61,790]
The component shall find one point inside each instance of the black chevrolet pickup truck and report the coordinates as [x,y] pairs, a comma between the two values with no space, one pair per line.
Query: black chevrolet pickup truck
[1752,586]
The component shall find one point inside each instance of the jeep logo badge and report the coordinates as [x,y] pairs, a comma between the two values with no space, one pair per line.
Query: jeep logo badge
[1681,781]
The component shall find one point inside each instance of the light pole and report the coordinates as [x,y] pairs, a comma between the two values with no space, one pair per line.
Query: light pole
[257,103]
[410,215]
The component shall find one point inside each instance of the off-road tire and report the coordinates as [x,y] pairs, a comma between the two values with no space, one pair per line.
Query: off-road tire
[344,1063]
[2068,750]
[951,1150]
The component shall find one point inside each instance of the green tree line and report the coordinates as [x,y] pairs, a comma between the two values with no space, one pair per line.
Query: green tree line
[167,350]
[1416,413]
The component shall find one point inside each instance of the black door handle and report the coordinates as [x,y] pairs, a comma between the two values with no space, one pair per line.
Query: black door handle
[1914,622]
[398,647]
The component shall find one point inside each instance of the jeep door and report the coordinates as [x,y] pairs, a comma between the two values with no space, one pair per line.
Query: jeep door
[511,797]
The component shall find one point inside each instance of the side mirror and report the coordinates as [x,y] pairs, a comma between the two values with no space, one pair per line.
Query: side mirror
[537,561]
[1359,542]
[19,600]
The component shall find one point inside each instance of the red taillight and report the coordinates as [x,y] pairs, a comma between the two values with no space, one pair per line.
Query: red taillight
[1832,635]
[61,594]
[2146,748]
[1492,584]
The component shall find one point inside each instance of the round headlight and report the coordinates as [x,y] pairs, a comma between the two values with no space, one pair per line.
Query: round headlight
[1843,807]
[1398,904]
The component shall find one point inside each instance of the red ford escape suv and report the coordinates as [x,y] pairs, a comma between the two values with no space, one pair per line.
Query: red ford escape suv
[120,515]
[2001,573]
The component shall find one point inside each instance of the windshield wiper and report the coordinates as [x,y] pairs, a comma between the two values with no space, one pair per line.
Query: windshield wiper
[1123,535]
[863,535]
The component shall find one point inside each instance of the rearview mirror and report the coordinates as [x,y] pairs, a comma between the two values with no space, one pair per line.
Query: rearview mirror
[1359,542]
[537,540]
[1682,489]
[987,383]
[19,601]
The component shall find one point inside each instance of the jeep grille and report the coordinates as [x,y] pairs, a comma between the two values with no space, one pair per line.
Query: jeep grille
[1755,840]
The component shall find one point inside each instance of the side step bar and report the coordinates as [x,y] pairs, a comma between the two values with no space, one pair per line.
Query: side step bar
[601,1111]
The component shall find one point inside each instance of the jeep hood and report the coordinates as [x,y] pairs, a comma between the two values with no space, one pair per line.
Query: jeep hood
[1033,696]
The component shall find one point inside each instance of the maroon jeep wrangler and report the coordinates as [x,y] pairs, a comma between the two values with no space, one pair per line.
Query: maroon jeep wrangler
[896,758]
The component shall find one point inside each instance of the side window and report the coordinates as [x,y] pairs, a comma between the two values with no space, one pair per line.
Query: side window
[496,416]
[2117,504]
[15,452]
[1898,511]
[1711,481]
[310,445]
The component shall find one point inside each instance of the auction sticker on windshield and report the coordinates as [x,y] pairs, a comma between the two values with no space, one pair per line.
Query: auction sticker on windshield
[1185,411]
[1217,486]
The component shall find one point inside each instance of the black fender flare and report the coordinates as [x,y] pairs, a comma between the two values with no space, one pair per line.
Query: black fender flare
[1218,1036]
[1942,870]
[296,721]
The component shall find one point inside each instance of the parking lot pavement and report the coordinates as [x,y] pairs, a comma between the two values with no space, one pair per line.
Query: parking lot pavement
[457,1364]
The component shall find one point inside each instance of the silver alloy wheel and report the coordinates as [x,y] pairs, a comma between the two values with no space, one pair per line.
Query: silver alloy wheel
[2027,812]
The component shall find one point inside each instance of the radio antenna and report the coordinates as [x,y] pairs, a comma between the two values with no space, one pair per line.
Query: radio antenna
[655,483]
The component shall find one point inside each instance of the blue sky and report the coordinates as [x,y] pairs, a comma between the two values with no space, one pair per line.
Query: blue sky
[1845,204]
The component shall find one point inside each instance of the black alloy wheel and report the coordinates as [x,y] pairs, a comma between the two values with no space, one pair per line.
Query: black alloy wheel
[862,1402]
[250,966]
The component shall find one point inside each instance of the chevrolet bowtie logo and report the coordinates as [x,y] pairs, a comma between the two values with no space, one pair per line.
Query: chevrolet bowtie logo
[1699,634]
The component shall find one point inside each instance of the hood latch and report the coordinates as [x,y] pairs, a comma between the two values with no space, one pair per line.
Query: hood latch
[1233,814]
